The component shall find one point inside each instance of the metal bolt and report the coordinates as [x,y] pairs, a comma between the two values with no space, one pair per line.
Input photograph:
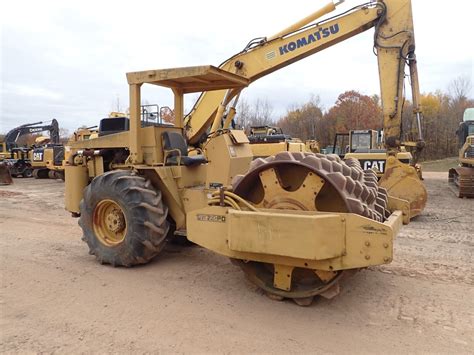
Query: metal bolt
[367,244]
[385,245]
[367,257]
[386,259]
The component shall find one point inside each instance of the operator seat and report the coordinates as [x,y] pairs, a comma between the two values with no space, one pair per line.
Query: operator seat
[176,150]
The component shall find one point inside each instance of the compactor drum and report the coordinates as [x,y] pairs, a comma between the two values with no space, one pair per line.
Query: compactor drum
[308,182]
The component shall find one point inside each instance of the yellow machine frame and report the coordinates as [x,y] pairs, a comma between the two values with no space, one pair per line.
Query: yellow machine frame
[199,197]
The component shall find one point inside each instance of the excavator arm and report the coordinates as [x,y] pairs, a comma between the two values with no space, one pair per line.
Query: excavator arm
[394,45]
[13,135]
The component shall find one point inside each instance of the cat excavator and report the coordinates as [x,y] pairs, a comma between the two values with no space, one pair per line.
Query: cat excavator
[366,145]
[295,223]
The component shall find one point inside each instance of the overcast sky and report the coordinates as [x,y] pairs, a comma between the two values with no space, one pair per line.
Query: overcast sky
[67,59]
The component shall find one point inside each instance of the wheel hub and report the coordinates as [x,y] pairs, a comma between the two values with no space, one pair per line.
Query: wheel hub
[115,221]
[109,223]
[288,195]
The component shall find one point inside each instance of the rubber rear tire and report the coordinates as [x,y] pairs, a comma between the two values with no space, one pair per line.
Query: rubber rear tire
[41,173]
[28,173]
[144,214]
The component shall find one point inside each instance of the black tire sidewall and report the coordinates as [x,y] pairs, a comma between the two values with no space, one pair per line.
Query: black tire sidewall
[126,252]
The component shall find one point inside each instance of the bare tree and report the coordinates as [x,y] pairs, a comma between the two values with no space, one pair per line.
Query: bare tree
[64,133]
[459,88]
[116,105]
[260,113]
[242,118]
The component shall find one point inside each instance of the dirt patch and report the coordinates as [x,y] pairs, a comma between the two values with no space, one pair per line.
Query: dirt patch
[55,297]
[10,193]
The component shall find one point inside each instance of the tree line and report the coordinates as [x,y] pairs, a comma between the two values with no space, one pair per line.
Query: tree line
[442,113]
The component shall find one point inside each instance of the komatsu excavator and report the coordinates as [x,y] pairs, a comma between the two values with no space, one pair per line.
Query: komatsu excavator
[295,223]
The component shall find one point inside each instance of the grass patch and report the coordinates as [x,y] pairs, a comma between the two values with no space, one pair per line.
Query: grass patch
[439,165]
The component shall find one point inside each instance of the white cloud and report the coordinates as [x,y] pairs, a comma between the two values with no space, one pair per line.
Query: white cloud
[68,59]
[30,91]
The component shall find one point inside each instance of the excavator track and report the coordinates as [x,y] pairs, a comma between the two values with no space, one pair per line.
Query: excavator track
[308,182]
[461,181]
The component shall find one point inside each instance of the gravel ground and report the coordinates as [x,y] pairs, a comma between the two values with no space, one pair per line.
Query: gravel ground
[55,297]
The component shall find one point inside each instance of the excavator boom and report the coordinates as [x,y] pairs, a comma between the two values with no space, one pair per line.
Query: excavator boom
[13,135]
[264,56]
[394,44]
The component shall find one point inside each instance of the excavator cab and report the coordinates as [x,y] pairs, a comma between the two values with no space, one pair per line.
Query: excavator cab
[363,140]
[465,130]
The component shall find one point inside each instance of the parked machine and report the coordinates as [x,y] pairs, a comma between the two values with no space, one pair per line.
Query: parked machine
[268,140]
[17,160]
[367,147]
[48,154]
[295,223]
[461,178]
[82,134]
[47,161]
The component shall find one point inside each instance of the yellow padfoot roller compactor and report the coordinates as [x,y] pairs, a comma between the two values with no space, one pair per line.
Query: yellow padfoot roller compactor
[295,223]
